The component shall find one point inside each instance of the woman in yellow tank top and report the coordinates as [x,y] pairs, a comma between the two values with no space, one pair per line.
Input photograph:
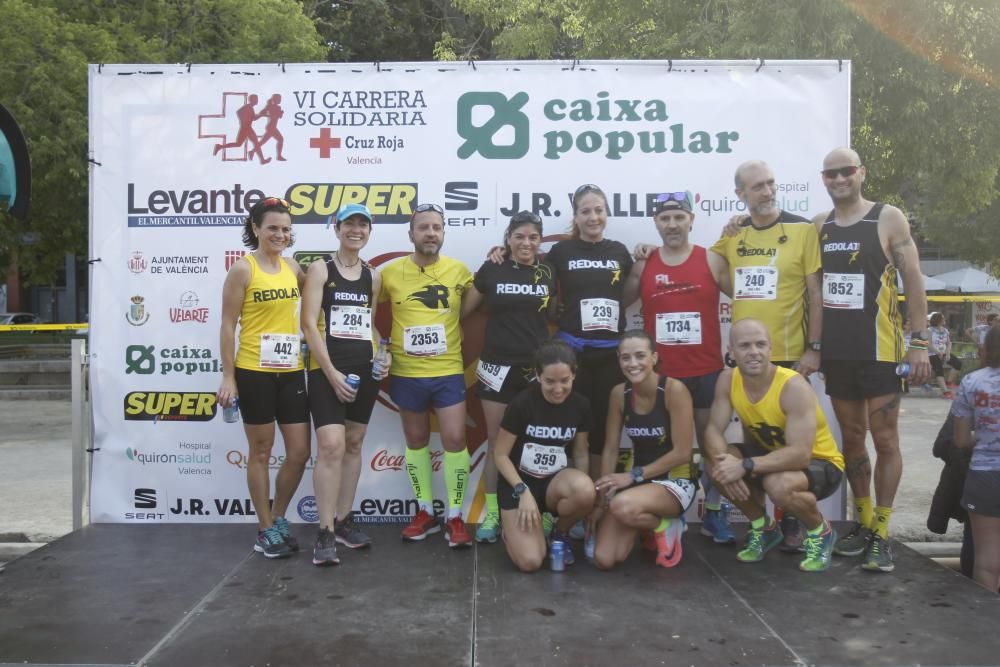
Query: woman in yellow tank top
[265,376]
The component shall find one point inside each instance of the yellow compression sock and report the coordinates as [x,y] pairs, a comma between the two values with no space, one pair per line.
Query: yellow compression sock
[418,467]
[863,512]
[881,522]
[456,477]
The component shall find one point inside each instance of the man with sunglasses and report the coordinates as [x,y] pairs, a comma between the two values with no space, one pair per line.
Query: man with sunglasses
[426,290]
[864,246]
[679,286]
[774,264]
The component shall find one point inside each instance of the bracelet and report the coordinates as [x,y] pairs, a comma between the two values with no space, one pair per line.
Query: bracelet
[917,344]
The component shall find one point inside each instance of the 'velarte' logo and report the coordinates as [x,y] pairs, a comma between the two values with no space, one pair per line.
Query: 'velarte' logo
[481,138]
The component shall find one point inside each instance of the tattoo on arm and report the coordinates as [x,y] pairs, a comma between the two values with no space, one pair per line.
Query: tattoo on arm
[885,410]
[859,469]
[898,256]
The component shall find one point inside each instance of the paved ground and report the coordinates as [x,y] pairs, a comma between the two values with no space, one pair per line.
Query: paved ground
[35,484]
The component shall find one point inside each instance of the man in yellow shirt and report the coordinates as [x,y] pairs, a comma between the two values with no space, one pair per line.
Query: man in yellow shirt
[774,264]
[425,290]
[790,455]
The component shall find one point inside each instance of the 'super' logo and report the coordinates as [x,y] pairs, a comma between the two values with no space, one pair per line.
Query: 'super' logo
[315,203]
[170,406]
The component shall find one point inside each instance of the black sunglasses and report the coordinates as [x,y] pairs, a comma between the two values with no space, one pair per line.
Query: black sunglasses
[525,216]
[840,171]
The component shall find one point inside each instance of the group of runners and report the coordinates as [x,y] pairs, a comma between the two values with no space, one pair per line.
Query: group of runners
[807,295]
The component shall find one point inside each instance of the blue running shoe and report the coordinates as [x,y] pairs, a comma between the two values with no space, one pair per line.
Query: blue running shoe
[715,524]
[271,544]
[285,528]
[489,529]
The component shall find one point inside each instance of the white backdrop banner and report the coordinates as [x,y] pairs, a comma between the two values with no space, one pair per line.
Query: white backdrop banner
[181,153]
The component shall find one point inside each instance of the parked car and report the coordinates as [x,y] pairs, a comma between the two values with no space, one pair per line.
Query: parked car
[20,318]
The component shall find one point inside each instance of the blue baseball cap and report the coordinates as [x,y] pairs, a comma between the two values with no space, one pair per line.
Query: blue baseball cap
[353,209]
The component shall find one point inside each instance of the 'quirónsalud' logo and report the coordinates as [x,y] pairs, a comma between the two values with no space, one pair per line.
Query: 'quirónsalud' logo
[506,113]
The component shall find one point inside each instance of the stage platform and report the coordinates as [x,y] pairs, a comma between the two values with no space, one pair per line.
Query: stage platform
[191,595]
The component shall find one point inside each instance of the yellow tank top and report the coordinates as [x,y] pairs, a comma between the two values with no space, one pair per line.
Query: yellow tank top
[766,422]
[269,323]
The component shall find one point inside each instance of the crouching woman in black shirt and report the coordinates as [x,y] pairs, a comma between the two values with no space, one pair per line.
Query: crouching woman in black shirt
[544,425]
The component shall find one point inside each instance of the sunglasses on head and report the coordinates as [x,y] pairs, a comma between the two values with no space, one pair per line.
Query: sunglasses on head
[273,201]
[525,216]
[841,171]
[586,187]
[422,208]
[680,197]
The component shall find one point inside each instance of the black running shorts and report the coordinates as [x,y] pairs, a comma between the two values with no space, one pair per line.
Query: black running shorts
[266,396]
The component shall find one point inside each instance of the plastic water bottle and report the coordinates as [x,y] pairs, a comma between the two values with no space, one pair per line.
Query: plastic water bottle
[380,364]
[231,412]
[903,369]
[557,556]
[590,546]
[354,381]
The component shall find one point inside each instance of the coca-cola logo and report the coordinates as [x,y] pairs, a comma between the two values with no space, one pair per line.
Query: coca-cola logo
[383,461]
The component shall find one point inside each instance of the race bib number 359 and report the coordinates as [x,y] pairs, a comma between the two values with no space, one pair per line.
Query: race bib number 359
[542,460]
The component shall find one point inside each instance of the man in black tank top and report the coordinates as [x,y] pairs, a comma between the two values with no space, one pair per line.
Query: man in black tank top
[864,245]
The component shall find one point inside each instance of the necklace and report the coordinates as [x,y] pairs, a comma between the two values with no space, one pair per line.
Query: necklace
[336,254]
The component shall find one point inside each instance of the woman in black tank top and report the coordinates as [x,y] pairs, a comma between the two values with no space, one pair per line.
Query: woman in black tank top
[657,415]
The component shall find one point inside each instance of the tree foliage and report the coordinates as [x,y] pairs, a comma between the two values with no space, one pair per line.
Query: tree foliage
[43,82]
[924,88]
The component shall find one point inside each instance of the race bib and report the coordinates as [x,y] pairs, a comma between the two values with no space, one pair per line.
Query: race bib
[492,375]
[279,350]
[599,315]
[352,322]
[678,328]
[542,460]
[758,283]
[844,290]
[426,341]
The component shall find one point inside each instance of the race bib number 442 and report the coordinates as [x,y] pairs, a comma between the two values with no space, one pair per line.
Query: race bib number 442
[279,350]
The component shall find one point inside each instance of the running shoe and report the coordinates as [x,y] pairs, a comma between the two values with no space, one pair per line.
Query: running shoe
[271,544]
[819,550]
[879,556]
[325,549]
[568,558]
[793,535]
[759,542]
[422,525]
[489,529]
[578,531]
[456,533]
[715,524]
[854,543]
[285,528]
[668,544]
[548,523]
[347,533]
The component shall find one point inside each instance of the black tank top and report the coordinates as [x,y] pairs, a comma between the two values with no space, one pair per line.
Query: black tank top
[346,296]
[650,433]
[861,319]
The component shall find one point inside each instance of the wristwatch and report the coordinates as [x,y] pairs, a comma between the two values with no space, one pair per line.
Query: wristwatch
[748,464]
[519,489]
[815,346]
[637,477]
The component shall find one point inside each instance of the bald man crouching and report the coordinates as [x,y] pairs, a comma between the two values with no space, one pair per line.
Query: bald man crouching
[789,455]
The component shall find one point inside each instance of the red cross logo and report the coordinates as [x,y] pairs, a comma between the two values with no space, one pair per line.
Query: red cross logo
[324,142]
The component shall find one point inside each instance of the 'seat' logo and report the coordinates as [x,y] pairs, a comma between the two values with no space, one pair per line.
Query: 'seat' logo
[246,143]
